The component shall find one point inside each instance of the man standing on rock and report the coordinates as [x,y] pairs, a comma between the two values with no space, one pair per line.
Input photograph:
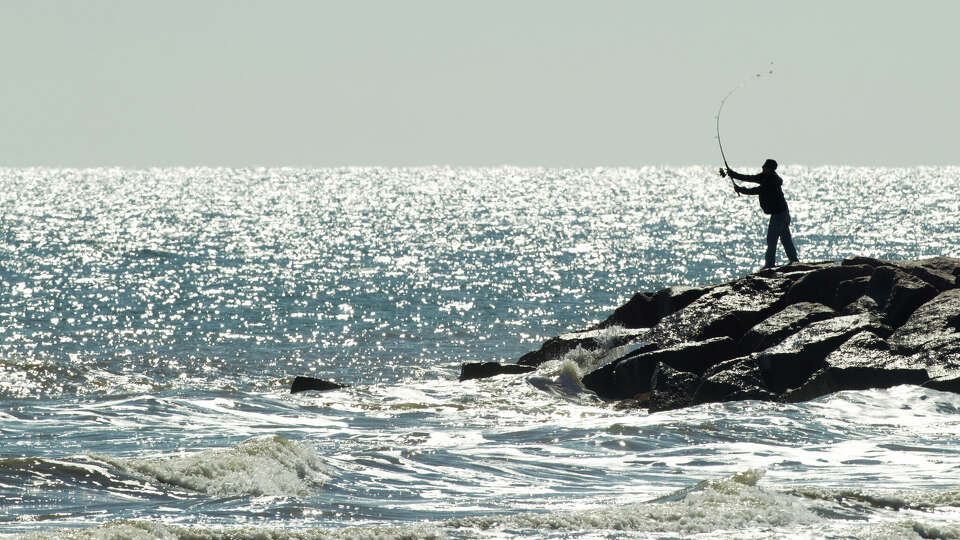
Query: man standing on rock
[772,203]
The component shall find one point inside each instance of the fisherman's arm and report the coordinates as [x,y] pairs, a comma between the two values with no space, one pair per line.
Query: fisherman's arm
[755,178]
[747,191]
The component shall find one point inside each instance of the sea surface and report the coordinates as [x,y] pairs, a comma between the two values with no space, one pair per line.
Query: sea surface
[151,322]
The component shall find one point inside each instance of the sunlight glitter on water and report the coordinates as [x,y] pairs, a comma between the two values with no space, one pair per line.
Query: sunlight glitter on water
[157,316]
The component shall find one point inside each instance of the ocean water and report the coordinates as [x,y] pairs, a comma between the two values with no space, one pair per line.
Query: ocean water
[151,323]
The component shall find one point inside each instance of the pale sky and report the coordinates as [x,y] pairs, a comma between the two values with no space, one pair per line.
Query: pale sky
[481,83]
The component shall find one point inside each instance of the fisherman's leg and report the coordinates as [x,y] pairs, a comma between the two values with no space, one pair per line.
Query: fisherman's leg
[787,239]
[773,234]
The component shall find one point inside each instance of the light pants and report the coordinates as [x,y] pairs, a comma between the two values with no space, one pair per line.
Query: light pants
[779,228]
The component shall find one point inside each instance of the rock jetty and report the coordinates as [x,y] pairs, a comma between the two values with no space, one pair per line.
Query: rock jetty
[788,334]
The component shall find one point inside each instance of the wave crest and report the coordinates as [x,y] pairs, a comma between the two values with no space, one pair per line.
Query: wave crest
[271,465]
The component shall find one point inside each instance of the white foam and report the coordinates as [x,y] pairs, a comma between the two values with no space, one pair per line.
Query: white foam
[900,530]
[563,377]
[734,503]
[261,466]
[897,500]
[152,530]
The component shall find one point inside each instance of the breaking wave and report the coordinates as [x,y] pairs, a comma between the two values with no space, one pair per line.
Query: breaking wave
[733,503]
[261,466]
[150,530]
[731,507]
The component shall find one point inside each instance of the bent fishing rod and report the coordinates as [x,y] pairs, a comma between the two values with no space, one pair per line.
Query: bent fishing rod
[720,110]
[719,142]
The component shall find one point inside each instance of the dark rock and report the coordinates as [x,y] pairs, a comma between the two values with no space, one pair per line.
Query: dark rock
[820,285]
[645,310]
[482,370]
[590,339]
[621,379]
[695,357]
[789,364]
[552,348]
[864,304]
[301,384]
[931,336]
[898,293]
[940,272]
[631,375]
[830,379]
[935,326]
[724,311]
[736,379]
[946,269]
[860,260]
[863,348]
[864,361]
[671,388]
[795,332]
[945,384]
[772,330]
[850,291]
[802,268]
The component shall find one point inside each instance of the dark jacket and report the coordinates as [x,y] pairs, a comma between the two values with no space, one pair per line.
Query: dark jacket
[771,196]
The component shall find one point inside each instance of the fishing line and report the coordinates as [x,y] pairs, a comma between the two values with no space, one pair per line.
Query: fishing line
[720,110]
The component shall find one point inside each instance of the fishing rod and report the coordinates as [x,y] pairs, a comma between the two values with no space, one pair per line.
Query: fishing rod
[719,142]
[720,110]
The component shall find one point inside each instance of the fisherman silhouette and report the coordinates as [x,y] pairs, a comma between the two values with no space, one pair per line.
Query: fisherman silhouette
[772,203]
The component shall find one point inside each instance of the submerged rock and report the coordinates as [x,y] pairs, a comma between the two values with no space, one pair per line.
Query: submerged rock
[302,384]
[481,370]
[793,333]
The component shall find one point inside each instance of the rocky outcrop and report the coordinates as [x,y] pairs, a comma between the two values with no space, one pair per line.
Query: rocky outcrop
[792,333]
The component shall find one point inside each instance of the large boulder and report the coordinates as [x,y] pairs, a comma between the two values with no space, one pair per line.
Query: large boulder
[789,364]
[935,326]
[898,293]
[671,388]
[820,285]
[772,330]
[645,310]
[931,336]
[631,375]
[862,362]
[940,272]
[724,311]
[733,380]
[864,304]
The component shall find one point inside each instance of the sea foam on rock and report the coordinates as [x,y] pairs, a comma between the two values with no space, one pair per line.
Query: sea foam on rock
[791,333]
